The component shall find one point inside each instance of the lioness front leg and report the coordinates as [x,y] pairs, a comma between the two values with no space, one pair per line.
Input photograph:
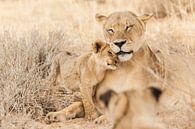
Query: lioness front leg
[70,112]
[89,107]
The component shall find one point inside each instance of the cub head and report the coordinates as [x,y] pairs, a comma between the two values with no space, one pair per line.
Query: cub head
[104,56]
[124,32]
[133,109]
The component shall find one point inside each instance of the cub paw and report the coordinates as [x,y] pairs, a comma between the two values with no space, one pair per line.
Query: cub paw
[92,116]
[59,117]
[101,120]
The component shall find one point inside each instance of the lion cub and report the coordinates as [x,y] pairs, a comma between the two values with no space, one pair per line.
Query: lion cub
[133,109]
[92,69]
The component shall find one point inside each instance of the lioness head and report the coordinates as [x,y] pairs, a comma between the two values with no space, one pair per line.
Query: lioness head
[104,55]
[133,109]
[124,31]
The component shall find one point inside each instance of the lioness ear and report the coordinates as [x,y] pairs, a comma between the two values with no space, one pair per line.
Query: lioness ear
[105,98]
[156,92]
[97,45]
[146,17]
[100,18]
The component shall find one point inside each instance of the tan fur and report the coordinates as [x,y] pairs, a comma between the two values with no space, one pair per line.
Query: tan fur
[138,67]
[134,109]
[91,68]
[126,28]
[63,71]
[70,112]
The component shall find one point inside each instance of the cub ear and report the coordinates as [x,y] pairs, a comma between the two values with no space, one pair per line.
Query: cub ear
[100,18]
[97,45]
[146,17]
[105,97]
[156,92]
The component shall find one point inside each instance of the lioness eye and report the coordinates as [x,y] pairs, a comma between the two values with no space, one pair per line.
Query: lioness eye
[110,31]
[129,27]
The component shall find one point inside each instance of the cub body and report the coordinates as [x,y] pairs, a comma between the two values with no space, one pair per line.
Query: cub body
[91,68]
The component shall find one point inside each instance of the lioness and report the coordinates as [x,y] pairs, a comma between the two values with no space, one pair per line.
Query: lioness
[91,68]
[134,109]
[138,65]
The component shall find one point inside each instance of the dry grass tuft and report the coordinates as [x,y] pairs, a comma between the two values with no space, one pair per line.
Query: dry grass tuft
[20,70]
[25,62]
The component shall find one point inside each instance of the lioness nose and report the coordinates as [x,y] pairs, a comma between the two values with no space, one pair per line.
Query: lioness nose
[120,43]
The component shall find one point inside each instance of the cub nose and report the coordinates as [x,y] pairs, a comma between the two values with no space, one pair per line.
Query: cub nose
[120,43]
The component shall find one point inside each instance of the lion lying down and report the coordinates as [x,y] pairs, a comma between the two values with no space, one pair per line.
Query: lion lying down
[134,109]
[92,67]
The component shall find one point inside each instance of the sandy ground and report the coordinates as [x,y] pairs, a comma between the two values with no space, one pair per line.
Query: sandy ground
[22,122]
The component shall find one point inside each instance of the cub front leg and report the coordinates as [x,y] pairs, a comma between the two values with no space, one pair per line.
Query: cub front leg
[89,107]
[72,111]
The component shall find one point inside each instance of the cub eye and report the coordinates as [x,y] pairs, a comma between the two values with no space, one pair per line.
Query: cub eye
[110,31]
[129,27]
